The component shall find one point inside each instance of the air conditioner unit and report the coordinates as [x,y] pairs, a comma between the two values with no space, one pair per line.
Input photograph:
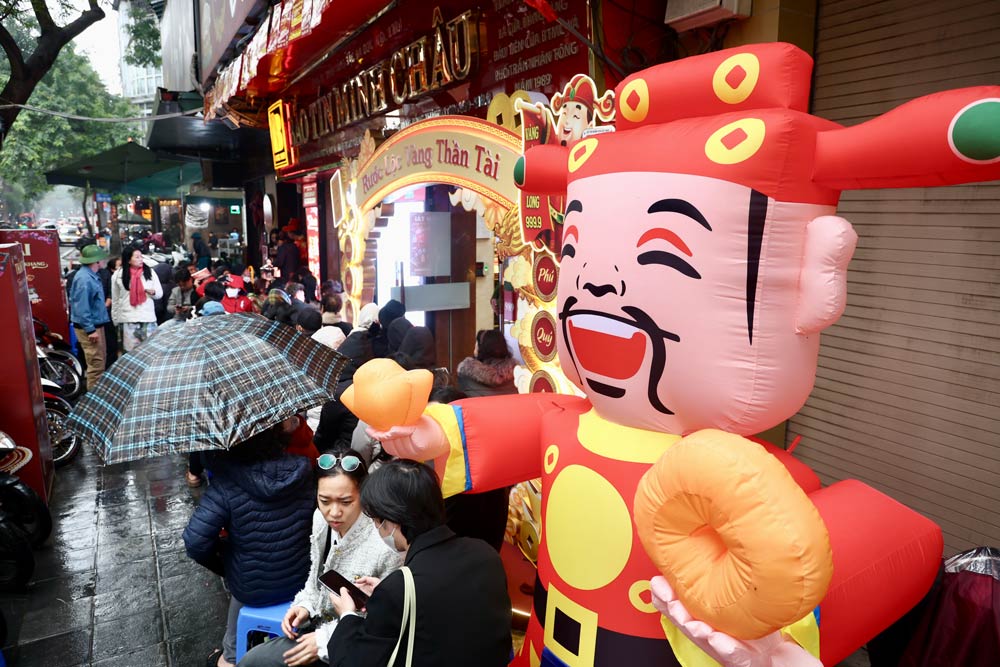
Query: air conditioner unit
[685,15]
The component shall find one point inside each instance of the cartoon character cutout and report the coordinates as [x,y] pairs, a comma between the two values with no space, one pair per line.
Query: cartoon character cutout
[701,259]
[577,108]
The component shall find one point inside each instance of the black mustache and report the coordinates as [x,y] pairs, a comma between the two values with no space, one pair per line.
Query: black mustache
[642,320]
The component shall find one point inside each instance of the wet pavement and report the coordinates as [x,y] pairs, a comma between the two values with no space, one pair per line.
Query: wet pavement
[113,586]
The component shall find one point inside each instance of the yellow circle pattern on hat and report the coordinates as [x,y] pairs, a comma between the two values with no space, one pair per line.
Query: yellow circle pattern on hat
[634,101]
[581,152]
[736,78]
[736,142]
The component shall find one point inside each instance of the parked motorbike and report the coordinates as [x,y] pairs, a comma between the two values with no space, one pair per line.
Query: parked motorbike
[56,368]
[56,347]
[17,562]
[65,443]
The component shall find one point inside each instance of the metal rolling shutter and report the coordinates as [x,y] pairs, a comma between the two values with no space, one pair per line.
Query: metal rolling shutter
[907,393]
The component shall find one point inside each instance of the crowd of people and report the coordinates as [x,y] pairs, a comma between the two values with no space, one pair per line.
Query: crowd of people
[316,493]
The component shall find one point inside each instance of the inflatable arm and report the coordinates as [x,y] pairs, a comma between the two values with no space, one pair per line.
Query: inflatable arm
[488,448]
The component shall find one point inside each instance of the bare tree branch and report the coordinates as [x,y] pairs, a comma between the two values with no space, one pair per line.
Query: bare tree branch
[13,51]
[43,16]
[81,23]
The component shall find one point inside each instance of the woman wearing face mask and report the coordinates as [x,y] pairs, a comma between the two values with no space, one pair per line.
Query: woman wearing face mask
[236,300]
[462,607]
[343,539]
[134,287]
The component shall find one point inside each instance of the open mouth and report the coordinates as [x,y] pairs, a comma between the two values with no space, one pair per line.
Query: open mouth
[605,346]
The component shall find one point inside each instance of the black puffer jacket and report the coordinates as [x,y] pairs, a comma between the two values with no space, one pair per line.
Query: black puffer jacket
[486,378]
[266,508]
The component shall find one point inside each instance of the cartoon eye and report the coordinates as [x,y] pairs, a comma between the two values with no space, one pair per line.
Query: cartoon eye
[669,260]
[568,251]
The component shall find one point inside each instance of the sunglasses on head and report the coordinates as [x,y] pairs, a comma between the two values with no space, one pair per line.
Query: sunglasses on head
[348,462]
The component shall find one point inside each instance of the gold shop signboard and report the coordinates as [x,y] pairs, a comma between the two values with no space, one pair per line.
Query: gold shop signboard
[435,61]
[460,150]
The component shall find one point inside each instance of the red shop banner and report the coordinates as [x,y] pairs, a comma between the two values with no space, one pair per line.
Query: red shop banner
[417,61]
[22,410]
[45,286]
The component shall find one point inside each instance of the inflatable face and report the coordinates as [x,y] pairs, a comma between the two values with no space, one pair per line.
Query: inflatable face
[695,278]
[656,317]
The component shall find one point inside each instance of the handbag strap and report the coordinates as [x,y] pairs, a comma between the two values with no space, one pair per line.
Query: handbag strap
[409,616]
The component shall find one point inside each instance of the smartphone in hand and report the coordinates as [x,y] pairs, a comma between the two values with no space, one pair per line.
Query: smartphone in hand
[334,581]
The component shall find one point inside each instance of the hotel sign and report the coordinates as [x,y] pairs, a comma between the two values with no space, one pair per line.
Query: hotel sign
[439,59]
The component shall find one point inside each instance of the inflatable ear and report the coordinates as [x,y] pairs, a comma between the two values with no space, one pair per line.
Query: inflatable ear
[830,242]
[384,395]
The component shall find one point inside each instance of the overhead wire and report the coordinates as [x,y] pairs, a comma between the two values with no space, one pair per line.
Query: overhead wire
[70,116]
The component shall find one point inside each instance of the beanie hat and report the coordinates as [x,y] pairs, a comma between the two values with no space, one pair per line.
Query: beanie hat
[309,319]
[390,311]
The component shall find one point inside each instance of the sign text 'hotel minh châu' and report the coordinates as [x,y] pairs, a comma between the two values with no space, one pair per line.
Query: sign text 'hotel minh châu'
[434,61]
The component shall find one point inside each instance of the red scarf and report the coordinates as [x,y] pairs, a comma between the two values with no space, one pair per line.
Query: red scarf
[136,289]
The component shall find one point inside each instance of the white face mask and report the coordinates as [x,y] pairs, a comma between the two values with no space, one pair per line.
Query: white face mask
[232,292]
[391,543]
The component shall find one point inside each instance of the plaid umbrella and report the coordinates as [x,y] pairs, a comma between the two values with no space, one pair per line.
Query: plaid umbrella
[206,384]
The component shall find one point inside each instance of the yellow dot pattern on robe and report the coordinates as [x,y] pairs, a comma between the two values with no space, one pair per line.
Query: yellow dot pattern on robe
[736,78]
[633,104]
[736,142]
[551,458]
[581,152]
[635,592]
[587,515]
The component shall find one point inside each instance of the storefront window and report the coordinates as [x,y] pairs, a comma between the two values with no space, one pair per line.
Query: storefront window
[394,256]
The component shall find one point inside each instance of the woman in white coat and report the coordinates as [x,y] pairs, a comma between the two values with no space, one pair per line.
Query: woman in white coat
[343,539]
[134,286]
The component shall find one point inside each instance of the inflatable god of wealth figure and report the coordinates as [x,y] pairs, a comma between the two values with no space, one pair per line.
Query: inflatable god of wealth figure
[701,259]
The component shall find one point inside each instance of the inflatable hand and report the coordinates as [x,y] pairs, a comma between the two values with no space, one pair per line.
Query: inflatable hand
[421,442]
[736,537]
[384,395]
[773,650]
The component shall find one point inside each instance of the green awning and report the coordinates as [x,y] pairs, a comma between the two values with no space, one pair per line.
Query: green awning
[122,169]
[166,183]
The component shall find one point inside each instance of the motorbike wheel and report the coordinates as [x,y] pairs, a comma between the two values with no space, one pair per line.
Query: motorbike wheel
[17,562]
[65,444]
[66,357]
[23,506]
[64,375]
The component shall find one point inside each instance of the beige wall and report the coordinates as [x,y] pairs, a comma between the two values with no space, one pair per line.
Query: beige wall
[484,285]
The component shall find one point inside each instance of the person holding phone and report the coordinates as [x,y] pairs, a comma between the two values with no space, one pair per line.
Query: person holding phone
[181,301]
[343,540]
[463,610]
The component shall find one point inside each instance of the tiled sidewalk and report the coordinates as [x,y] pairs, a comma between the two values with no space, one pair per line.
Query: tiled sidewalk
[113,585]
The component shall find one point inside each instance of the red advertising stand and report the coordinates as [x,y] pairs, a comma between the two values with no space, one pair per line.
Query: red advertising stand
[45,287]
[22,408]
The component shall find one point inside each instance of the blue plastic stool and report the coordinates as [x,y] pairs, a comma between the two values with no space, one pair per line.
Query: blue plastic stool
[258,619]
